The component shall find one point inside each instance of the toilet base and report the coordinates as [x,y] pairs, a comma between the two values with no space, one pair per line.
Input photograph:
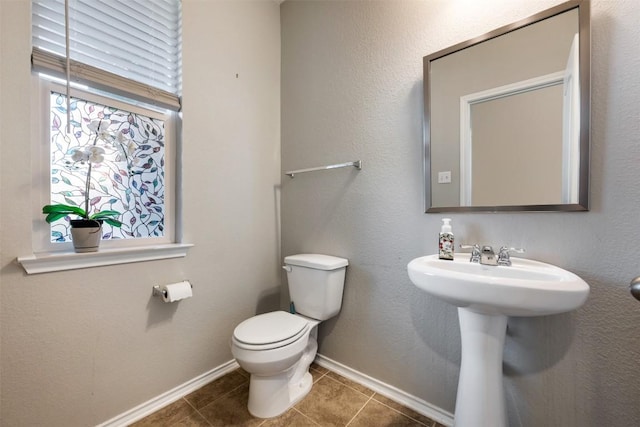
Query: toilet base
[270,396]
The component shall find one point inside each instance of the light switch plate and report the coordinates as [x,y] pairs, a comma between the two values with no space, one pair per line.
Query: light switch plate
[444,177]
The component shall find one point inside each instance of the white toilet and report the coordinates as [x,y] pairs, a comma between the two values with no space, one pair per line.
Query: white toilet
[277,348]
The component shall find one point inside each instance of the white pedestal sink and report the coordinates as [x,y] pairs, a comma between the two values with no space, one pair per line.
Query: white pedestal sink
[485,297]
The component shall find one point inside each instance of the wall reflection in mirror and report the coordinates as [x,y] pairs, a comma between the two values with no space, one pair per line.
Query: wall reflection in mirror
[507,117]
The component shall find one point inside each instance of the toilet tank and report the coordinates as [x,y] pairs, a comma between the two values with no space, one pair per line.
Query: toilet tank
[316,283]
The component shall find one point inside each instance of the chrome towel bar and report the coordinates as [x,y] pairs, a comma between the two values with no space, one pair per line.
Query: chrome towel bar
[357,164]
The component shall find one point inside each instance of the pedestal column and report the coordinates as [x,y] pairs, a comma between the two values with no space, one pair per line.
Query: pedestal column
[480,399]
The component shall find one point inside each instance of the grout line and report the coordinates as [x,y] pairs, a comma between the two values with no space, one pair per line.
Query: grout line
[216,399]
[197,412]
[189,403]
[402,413]
[305,415]
[360,410]
[373,393]
[227,393]
[322,375]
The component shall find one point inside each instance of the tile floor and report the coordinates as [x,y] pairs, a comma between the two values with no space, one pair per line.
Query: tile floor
[333,401]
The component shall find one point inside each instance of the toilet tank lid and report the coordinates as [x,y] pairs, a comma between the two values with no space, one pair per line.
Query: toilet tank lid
[317,261]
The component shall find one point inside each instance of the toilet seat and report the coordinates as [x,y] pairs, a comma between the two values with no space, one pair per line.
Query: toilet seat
[269,331]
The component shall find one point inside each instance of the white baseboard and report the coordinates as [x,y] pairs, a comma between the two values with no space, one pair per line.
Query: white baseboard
[393,393]
[158,402]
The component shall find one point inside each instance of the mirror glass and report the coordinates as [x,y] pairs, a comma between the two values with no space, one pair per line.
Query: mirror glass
[507,117]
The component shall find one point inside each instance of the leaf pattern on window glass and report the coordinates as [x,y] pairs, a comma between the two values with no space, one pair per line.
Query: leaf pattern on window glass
[133,187]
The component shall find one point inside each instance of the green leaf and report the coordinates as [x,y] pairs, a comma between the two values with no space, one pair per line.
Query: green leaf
[112,222]
[108,216]
[59,211]
[105,214]
[61,208]
[54,216]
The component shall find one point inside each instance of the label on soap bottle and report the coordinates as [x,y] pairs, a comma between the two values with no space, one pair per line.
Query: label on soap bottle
[446,246]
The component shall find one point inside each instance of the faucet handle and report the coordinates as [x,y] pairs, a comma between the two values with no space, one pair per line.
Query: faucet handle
[509,250]
[475,252]
[504,254]
[465,246]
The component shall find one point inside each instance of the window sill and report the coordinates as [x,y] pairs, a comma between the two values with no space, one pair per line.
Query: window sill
[60,261]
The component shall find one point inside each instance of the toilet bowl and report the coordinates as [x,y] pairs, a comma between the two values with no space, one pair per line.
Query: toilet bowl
[277,348]
[278,363]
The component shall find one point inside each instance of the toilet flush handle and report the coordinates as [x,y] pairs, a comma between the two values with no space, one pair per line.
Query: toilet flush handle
[286,268]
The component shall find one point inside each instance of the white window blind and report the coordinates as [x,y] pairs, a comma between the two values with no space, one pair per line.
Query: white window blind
[132,47]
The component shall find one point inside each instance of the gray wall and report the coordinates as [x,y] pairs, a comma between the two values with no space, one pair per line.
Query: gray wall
[352,89]
[83,346]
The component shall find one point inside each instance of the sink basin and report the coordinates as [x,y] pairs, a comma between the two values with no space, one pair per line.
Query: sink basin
[485,297]
[526,288]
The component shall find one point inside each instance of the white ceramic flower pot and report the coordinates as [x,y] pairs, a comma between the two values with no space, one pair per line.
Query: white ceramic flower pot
[86,234]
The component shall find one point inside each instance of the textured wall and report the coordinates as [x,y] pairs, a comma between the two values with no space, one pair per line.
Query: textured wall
[352,89]
[83,346]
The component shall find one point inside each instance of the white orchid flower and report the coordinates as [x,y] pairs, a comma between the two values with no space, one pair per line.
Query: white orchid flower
[104,135]
[101,129]
[131,148]
[98,125]
[122,141]
[121,137]
[79,156]
[95,154]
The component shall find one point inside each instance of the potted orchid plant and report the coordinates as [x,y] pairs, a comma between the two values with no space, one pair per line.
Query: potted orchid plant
[86,230]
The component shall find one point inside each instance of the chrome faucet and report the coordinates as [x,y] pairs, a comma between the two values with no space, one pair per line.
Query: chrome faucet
[504,255]
[488,256]
[475,252]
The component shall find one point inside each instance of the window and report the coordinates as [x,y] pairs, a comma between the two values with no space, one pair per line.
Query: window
[124,68]
[136,177]
[130,180]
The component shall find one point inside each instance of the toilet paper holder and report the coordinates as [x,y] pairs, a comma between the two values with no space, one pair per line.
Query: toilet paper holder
[158,292]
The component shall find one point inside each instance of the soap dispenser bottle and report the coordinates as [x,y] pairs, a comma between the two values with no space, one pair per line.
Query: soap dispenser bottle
[446,240]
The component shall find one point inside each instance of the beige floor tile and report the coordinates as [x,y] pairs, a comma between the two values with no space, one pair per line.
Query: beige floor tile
[408,412]
[231,410]
[318,368]
[316,375]
[244,373]
[214,390]
[377,414]
[331,403]
[167,416]
[194,420]
[354,385]
[291,418]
